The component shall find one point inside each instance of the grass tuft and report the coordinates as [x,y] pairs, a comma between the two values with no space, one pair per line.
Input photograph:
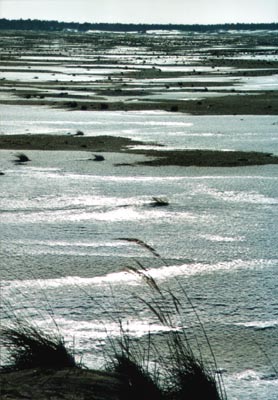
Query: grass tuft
[29,347]
[21,158]
[189,377]
[137,383]
[181,375]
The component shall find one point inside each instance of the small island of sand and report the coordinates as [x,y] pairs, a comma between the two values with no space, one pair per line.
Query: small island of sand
[185,158]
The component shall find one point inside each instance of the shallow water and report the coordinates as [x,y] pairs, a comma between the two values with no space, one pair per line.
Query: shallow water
[251,133]
[259,83]
[48,77]
[61,217]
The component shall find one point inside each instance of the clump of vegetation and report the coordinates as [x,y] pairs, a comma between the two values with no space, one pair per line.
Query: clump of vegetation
[174,108]
[176,373]
[160,201]
[21,158]
[98,157]
[177,376]
[136,382]
[71,104]
[79,133]
[29,347]
[104,106]
[190,378]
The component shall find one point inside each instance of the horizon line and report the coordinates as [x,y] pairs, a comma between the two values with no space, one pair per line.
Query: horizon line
[141,23]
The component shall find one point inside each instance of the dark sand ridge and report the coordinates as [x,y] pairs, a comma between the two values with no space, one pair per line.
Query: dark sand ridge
[265,103]
[73,384]
[202,158]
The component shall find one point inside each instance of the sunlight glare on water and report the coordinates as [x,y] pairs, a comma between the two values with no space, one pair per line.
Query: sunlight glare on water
[65,220]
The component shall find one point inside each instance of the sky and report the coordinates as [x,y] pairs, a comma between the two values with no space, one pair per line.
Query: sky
[143,11]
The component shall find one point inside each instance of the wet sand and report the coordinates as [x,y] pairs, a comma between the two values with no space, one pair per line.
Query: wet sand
[201,158]
[236,104]
[66,142]
[196,74]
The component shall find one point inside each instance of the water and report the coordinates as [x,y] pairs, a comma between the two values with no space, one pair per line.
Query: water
[62,217]
[244,132]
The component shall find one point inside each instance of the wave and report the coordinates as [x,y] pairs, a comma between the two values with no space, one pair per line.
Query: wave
[60,203]
[97,329]
[253,375]
[218,238]
[160,274]
[77,214]
[251,384]
[259,325]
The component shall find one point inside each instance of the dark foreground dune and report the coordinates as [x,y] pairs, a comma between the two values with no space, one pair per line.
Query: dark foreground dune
[73,384]
[186,158]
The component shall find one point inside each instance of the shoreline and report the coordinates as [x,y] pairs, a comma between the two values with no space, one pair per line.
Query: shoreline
[185,158]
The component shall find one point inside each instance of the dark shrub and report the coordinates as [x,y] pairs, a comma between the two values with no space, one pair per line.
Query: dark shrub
[104,106]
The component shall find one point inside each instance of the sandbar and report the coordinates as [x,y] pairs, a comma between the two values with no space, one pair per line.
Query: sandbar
[160,157]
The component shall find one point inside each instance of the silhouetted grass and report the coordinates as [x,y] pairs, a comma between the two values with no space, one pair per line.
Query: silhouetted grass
[178,374]
[189,377]
[136,382]
[29,347]
[170,371]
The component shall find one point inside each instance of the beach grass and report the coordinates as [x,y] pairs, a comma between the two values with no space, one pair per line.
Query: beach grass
[175,374]
[29,347]
[145,369]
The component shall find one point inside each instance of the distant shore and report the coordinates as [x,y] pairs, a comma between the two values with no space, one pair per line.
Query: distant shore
[201,158]
[42,25]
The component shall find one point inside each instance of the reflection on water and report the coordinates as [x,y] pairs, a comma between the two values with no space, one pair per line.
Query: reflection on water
[254,133]
[63,218]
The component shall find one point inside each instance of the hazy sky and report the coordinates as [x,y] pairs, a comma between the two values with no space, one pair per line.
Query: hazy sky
[150,11]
